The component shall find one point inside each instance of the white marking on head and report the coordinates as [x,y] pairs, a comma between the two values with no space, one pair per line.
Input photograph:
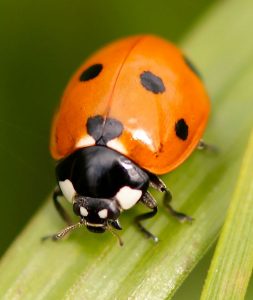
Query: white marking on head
[83,211]
[128,197]
[67,189]
[103,213]
[117,145]
[85,141]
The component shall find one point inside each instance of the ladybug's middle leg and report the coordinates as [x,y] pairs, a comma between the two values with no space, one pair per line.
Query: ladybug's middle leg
[180,216]
[159,185]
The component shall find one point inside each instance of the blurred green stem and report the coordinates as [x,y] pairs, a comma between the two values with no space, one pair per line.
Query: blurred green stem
[232,264]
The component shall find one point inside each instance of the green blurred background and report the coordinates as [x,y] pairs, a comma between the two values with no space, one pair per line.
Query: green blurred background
[42,43]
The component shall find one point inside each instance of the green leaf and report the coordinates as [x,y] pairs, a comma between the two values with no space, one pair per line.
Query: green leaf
[232,264]
[89,266]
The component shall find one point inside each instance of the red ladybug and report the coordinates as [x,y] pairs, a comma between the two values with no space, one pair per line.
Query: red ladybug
[135,109]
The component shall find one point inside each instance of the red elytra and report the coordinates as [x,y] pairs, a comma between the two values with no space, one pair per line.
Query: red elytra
[145,83]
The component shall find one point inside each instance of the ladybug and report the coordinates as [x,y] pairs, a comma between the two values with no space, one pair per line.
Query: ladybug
[134,110]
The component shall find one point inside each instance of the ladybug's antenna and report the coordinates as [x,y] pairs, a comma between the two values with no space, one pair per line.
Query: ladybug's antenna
[65,231]
[109,228]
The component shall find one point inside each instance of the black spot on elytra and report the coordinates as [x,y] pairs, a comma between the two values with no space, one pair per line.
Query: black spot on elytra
[152,82]
[181,129]
[192,67]
[92,72]
[95,127]
[103,130]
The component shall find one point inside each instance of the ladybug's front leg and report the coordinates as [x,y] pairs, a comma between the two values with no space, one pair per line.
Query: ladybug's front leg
[59,235]
[150,202]
[159,185]
[58,193]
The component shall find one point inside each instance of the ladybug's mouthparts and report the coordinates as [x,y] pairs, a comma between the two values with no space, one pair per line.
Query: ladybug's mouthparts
[96,229]
[101,228]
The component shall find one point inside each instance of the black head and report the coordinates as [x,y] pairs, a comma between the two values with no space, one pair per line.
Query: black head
[101,183]
[98,213]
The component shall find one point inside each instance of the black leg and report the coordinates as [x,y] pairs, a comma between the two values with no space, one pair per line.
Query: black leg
[180,216]
[59,208]
[202,145]
[150,202]
[158,184]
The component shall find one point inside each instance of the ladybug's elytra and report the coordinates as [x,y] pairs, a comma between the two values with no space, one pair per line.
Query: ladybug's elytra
[135,109]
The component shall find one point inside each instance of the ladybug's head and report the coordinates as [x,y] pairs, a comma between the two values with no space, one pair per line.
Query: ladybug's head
[100,183]
[98,214]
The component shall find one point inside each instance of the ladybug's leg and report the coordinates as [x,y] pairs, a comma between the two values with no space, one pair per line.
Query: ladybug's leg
[158,184]
[58,206]
[55,237]
[202,145]
[150,202]
[180,216]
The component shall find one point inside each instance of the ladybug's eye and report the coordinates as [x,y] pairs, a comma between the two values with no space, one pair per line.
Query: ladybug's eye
[92,72]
